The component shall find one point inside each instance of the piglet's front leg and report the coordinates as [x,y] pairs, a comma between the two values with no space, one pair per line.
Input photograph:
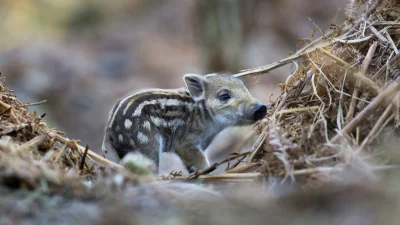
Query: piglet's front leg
[193,158]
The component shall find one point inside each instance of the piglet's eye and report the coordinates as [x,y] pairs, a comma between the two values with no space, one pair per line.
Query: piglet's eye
[224,97]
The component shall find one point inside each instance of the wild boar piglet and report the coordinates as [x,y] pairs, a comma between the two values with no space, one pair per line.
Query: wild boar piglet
[183,121]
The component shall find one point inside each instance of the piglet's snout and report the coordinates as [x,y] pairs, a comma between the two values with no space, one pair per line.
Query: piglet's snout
[259,112]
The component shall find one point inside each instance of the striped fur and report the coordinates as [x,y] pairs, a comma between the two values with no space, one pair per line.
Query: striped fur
[158,120]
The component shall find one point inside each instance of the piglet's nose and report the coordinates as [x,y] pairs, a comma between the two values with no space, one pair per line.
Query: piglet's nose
[260,112]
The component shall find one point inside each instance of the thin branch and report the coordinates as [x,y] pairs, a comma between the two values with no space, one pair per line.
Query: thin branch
[243,168]
[300,53]
[34,103]
[377,126]
[92,155]
[354,41]
[378,34]
[292,110]
[257,145]
[331,169]
[378,101]
[367,83]
[393,24]
[82,164]
[5,111]
[370,85]
[303,84]
[236,163]
[33,143]
[334,57]
[215,165]
[394,62]
[280,63]
[392,43]
[357,25]
[19,127]
[5,105]
[219,176]
[322,32]
[281,104]
[367,61]
[255,175]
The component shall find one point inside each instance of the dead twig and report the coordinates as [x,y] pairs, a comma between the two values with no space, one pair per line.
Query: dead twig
[5,105]
[297,93]
[367,83]
[239,148]
[370,85]
[257,145]
[303,84]
[33,143]
[34,103]
[280,63]
[354,41]
[356,93]
[378,34]
[387,23]
[334,57]
[377,126]
[302,52]
[358,23]
[92,155]
[292,110]
[332,169]
[255,175]
[235,176]
[215,165]
[5,111]
[281,104]
[378,101]
[392,63]
[322,32]
[243,168]
[82,163]
[173,174]
[18,127]
[389,38]
[237,162]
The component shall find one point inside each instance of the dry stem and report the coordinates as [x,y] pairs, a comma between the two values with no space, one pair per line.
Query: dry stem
[377,34]
[243,168]
[378,101]
[357,25]
[356,93]
[92,155]
[377,126]
[33,143]
[257,145]
[215,165]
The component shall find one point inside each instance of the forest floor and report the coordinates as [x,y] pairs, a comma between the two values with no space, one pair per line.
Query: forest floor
[327,152]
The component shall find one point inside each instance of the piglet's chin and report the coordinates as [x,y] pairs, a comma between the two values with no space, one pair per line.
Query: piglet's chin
[245,122]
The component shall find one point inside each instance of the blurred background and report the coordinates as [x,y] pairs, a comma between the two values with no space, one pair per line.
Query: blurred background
[82,55]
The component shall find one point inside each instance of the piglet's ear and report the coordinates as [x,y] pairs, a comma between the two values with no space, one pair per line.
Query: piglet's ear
[196,86]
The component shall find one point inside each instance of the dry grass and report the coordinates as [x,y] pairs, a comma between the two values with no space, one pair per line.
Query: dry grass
[335,105]
[335,111]
[332,109]
[36,157]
